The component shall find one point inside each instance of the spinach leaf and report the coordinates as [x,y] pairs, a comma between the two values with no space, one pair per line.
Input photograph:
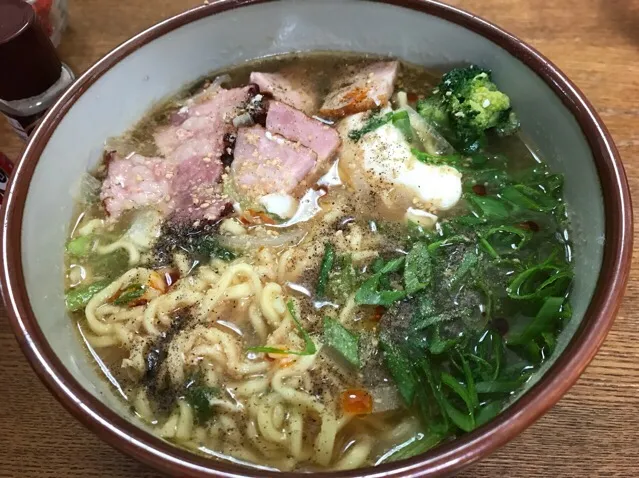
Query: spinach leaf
[527,197]
[416,446]
[401,121]
[78,298]
[487,412]
[325,269]
[400,368]
[309,345]
[372,124]
[342,280]
[80,246]
[539,281]
[130,294]
[465,421]
[498,387]
[342,340]
[199,397]
[488,206]
[502,240]
[545,320]
[370,292]
[449,241]
[208,246]
[417,271]
[468,262]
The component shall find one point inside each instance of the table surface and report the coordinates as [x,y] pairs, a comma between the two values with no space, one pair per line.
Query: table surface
[592,431]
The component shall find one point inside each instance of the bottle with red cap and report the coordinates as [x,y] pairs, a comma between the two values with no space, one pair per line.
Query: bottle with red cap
[32,77]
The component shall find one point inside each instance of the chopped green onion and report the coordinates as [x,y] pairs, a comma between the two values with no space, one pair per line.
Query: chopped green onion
[78,298]
[342,340]
[80,246]
[309,345]
[325,269]
[129,294]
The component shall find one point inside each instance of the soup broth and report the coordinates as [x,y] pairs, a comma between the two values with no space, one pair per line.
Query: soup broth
[321,261]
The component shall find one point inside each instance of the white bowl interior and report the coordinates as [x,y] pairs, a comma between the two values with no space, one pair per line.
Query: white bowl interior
[124,93]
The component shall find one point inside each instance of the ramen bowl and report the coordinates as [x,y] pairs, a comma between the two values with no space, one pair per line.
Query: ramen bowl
[112,95]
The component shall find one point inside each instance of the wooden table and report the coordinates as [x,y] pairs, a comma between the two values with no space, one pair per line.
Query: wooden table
[593,431]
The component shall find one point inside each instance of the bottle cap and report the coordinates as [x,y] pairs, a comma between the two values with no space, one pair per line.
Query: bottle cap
[29,64]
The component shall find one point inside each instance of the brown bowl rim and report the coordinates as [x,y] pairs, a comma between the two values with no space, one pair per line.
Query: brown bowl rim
[444,460]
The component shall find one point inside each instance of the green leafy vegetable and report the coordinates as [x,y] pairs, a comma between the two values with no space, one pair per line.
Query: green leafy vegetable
[325,269]
[416,446]
[372,124]
[453,160]
[342,340]
[466,105]
[401,121]
[208,246]
[469,260]
[80,246]
[457,239]
[370,292]
[130,294]
[541,280]
[342,280]
[77,299]
[417,271]
[199,397]
[400,368]
[544,321]
[527,197]
[502,240]
[489,207]
[487,413]
[309,345]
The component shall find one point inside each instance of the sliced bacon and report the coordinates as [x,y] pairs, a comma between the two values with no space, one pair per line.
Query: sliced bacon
[208,120]
[135,182]
[267,163]
[197,193]
[296,126]
[286,89]
[371,87]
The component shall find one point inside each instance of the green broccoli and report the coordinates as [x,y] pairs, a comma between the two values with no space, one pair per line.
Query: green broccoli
[465,105]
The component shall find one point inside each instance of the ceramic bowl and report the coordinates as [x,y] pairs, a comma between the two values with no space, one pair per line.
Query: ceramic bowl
[116,92]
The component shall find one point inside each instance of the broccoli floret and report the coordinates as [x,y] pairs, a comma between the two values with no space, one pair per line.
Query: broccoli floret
[465,105]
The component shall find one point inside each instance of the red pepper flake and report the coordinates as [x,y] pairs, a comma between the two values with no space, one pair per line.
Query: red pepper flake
[529,226]
[357,401]
[479,189]
[412,97]
[259,217]
[378,312]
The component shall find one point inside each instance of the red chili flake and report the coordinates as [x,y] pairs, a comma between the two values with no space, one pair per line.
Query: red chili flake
[412,97]
[479,189]
[378,312]
[357,401]
[260,217]
[529,226]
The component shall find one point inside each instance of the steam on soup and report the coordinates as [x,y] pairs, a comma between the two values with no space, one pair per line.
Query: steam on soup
[321,261]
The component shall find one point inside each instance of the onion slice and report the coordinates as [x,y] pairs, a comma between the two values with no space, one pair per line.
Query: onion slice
[250,241]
